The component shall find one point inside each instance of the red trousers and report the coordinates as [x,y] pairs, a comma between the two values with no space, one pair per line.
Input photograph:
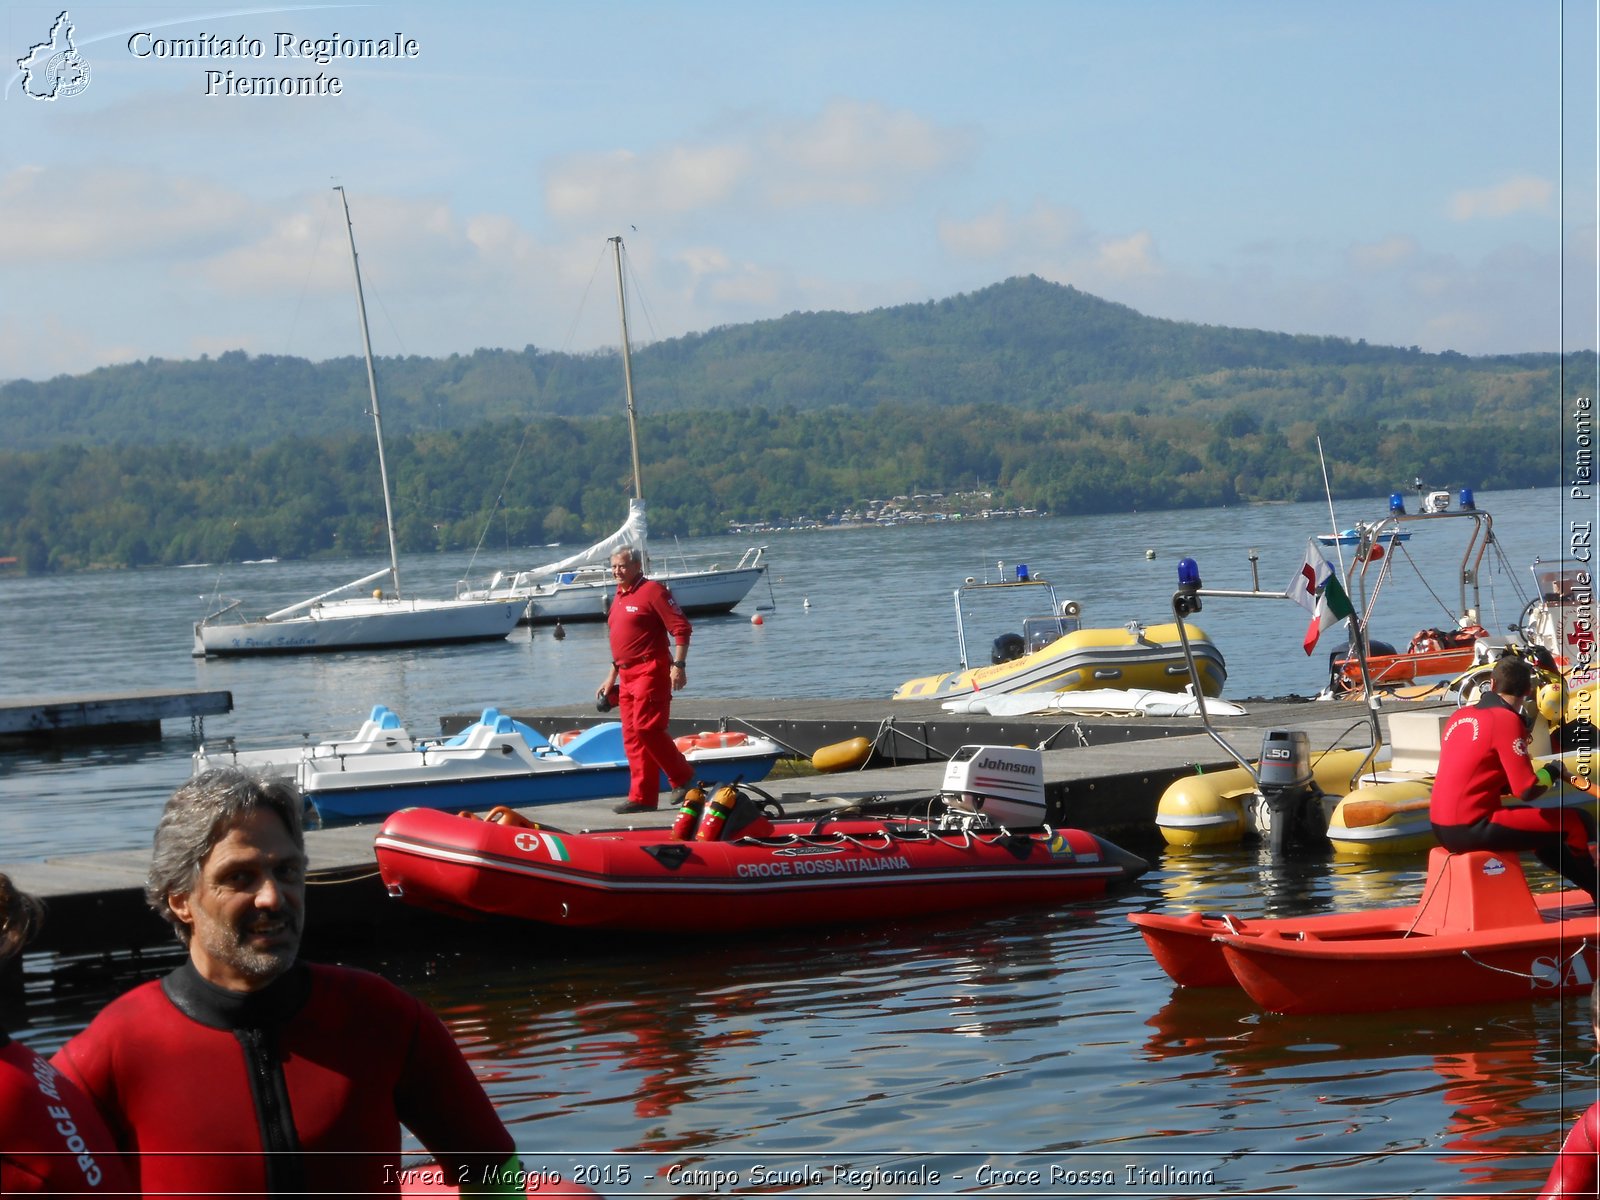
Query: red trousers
[644,704]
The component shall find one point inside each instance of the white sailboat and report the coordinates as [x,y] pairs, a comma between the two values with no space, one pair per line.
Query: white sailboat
[382,619]
[579,587]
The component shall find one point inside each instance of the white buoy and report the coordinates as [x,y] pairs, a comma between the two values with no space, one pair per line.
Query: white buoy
[1149,553]
[806,603]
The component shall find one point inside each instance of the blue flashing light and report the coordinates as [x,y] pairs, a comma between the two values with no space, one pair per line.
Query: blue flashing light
[1397,504]
[1468,504]
[1022,573]
[1188,573]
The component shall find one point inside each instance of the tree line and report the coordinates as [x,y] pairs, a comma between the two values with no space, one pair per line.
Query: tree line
[511,484]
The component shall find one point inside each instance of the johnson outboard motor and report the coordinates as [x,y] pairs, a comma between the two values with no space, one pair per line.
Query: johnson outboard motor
[1290,814]
[1007,647]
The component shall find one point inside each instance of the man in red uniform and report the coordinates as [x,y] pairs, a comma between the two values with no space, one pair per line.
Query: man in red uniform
[1577,1167]
[645,676]
[1483,756]
[247,1071]
[52,1141]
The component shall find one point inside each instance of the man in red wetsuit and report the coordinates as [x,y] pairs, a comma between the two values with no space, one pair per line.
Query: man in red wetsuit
[1483,756]
[246,1070]
[645,676]
[1575,1174]
[52,1141]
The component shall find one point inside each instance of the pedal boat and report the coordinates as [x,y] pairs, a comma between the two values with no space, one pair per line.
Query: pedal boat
[1477,936]
[1055,653]
[837,870]
[494,761]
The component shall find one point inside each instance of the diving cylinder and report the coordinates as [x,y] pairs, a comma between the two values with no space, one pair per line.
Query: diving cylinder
[716,814]
[694,799]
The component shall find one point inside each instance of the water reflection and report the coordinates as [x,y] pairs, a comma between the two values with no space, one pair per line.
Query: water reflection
[1495,1083]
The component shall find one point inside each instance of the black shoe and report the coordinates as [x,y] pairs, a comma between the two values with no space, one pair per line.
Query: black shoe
[631,807]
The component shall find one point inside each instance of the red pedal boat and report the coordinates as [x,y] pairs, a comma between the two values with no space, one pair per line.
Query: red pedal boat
[1477,936]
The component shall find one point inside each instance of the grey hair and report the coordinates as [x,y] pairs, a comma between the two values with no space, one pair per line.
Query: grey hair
[632,553]
[198,816]
[20,918]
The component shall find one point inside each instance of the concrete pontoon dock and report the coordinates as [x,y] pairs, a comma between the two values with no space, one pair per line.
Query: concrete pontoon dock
[120,716]
[1103,774]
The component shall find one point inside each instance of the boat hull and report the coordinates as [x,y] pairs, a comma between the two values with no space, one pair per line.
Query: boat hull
[698,593]
[361,625]
[808,873]
[1086,659]
[1477,936]
[495,761]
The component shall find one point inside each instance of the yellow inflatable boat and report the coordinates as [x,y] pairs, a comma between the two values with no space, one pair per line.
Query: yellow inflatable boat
[1056,653]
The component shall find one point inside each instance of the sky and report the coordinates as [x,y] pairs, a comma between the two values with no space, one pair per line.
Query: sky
[1408,172]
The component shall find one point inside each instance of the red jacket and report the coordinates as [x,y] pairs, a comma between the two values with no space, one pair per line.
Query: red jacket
[52,1141]
[300,1087]
[1483,756]
[639,621]
[1574,1173]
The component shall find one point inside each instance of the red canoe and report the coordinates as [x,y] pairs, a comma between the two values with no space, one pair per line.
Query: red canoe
[802,873]
[1477,936]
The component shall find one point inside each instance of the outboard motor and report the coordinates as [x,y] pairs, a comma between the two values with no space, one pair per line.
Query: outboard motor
[1007,647]
[1001,785]
[1290,813]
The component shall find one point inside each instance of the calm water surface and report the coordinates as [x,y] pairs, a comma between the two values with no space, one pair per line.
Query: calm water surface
[975,1046]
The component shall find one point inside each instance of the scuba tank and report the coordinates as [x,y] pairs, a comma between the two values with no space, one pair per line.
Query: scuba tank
[716,814]
[694,799]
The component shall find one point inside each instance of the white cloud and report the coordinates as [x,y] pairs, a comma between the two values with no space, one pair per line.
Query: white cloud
[1391,252]
[1127,257]
[851,154]
[999,232]
[1522,193]
[58,214]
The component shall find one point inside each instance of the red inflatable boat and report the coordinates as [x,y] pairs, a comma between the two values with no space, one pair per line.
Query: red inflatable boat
[1478,935]
[800,873]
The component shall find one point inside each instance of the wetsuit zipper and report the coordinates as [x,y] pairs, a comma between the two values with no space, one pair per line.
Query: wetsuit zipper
[284,1167]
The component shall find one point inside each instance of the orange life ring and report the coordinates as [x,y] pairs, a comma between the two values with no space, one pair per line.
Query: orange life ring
[565,736]
[722,741]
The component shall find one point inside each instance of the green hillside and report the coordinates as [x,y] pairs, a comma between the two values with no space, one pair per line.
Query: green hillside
[1038,395]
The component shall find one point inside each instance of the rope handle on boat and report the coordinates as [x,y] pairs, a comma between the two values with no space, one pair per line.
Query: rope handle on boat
[1467,954]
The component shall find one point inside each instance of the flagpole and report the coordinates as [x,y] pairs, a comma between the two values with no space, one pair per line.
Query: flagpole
[1333,522]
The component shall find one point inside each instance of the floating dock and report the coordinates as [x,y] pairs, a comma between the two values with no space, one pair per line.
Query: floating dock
[120,716]
[1104,774]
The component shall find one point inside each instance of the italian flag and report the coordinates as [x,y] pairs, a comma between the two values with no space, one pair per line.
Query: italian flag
[1316,588]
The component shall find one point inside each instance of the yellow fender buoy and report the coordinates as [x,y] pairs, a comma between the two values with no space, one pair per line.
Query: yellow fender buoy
[842,756]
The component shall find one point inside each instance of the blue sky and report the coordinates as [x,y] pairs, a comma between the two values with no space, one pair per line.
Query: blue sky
[1409,172]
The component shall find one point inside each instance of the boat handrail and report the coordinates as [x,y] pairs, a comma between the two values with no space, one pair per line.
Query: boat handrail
[294,608]
[1381,533]
[976,585]
[1186,601]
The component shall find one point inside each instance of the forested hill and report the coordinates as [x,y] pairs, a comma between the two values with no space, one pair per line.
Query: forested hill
[1024,344]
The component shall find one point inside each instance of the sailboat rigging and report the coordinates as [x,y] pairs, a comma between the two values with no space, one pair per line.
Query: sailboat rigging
[579,587]
[364,622]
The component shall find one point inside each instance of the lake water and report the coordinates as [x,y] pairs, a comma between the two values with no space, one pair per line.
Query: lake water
[984,1048]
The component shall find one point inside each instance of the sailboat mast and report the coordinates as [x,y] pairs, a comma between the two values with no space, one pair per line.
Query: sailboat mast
[627,370]
[372,388]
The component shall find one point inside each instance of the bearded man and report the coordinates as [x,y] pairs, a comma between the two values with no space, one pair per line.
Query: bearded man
[248,1071]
